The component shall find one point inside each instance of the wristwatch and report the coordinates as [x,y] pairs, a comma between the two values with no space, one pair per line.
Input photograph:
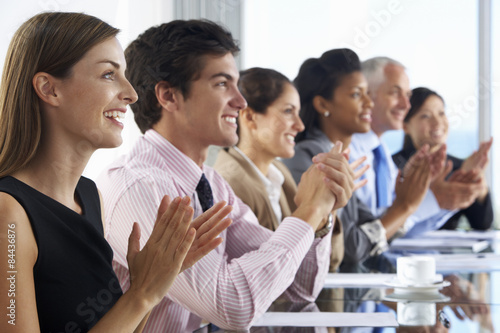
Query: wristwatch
[326,229]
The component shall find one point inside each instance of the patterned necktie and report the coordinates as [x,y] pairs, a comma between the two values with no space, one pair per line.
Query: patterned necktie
[205,193]
[382,176]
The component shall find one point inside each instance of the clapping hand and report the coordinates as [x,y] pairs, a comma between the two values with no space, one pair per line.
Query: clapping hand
[208,226]
[174,245]
[479,158]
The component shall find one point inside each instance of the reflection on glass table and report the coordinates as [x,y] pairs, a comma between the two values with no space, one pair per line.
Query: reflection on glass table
[470,303]
[411,316]
[467,306]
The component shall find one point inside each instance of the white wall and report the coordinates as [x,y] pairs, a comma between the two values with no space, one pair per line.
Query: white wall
[435,40]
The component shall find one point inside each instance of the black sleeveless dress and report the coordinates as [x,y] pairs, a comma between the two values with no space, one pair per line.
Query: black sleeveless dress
[75,284]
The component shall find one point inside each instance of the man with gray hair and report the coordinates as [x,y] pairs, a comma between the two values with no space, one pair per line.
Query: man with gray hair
[389,88]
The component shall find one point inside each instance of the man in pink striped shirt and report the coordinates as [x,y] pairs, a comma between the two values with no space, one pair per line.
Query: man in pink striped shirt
[186,79]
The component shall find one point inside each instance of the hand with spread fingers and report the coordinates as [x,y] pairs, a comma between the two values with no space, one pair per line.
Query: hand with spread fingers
[459,191]
[154,268]
[208,226]
[410,190]
[462,187]
[338,174]
[175,244]
[437,161]
[479,158]
[358,172]
[355,167]
[315,193]
[414,180]
[477,163]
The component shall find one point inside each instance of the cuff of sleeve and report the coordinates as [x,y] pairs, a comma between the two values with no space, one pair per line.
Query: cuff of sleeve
[375,232]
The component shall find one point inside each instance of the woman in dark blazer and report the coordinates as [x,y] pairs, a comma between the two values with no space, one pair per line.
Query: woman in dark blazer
[335,105]
[426,122]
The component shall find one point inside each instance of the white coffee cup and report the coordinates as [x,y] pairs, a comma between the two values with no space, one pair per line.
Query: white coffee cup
[416,270]
[416,314]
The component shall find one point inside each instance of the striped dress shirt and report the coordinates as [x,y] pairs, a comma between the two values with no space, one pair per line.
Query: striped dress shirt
[235,283]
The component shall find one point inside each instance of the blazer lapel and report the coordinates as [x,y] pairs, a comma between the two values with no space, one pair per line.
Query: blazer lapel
[258,186]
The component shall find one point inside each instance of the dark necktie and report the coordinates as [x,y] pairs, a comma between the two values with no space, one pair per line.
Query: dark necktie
[205,193]
[382,176]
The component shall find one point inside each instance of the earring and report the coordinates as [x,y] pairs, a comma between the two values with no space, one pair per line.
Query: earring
[326,114]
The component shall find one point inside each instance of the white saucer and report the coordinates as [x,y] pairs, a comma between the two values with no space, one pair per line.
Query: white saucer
[414,297]
[439,284]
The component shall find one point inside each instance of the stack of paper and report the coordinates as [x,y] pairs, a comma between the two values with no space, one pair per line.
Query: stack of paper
[438,244]
[452,263]
[461,234]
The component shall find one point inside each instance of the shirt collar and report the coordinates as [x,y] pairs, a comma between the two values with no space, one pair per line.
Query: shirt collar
[368,140]
[176,161]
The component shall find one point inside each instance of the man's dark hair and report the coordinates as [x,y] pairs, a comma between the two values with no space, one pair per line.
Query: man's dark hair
[173,52]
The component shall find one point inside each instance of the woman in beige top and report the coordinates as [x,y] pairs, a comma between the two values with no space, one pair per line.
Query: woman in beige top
[267,130]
